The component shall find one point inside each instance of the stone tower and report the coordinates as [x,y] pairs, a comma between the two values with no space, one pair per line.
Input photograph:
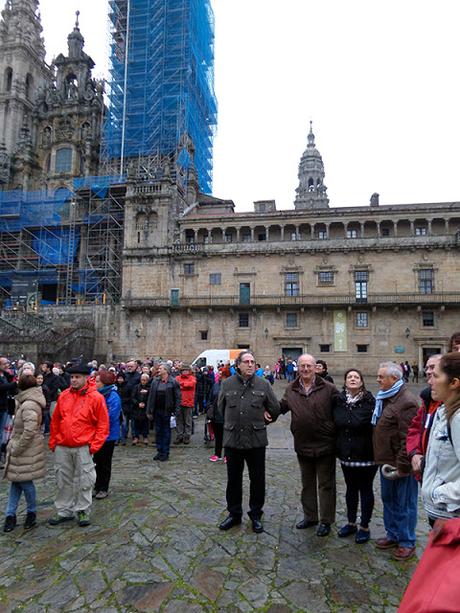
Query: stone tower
[311,193]
[68,116]
[23,72]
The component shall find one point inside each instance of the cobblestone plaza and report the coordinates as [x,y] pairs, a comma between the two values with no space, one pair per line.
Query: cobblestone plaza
[154,545]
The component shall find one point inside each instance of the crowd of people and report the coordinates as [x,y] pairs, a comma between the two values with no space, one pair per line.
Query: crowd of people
[87,409]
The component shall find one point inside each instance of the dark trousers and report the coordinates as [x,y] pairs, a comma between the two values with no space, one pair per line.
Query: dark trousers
[359,481]
[318,480]
[163,433]
[255,461]
[218,438]
[141,427]
[103,461]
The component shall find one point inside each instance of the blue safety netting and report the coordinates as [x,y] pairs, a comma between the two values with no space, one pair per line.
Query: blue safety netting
[162,80]
[20,209]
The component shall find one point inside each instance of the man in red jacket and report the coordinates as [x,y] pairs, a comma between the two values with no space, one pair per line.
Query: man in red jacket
[187,384]
[79,428]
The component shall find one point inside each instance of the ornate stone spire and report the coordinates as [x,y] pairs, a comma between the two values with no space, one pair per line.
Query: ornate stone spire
[21,23]
[75,40]
[311,193]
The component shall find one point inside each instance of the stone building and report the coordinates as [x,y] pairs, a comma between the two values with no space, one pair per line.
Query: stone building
[146,265]
[355,285]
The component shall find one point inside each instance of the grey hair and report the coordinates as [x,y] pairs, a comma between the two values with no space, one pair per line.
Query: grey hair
[393,369]
[166,366]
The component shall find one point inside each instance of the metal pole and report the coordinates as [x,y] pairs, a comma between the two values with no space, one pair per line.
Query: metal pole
[125,88]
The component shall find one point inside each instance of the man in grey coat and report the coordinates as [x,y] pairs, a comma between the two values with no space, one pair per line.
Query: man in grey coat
[248,404]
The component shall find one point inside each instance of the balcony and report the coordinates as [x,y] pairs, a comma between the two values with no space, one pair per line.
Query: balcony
[279,300]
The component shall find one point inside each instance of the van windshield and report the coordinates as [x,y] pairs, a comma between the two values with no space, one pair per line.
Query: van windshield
[200,362]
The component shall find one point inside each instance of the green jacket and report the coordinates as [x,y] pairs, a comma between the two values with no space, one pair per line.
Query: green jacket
[243,403]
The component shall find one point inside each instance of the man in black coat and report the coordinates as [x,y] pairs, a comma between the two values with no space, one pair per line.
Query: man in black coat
[7,390]
[248,404]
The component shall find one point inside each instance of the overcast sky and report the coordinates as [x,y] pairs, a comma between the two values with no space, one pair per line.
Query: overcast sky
[379,79]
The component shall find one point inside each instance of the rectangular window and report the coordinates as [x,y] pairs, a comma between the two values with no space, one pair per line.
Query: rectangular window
[246,237]
[361,348]
[325,348]
[204,335]
[428,319]
[243,320]
[385,232]
[189,237]
[361,279]
[291,284]
[322,234]
[228,238]
[420,231]
[261,236]
[291,320]
[362,319]
[189,268]
[64,160]
[326,277]
[352,233]
[215,278]
[425,281]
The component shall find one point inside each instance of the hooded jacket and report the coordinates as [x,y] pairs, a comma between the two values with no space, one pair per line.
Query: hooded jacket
[441,477]
[113,403]
[25,459]
[187,389]
[80,418]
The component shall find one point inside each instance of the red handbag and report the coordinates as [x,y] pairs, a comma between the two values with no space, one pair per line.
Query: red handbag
[435,585]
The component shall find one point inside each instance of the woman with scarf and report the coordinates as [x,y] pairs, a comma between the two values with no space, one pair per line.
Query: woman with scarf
[352,416]
[105,383]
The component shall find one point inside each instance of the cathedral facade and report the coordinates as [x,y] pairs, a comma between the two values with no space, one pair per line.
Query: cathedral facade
[150,266]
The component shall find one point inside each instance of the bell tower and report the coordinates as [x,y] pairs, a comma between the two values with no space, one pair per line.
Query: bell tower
[311,193]
[23,72]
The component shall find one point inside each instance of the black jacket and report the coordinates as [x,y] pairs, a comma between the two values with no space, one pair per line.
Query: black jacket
[53,383]
[354,429]
[123,392]
[212,408]
[140,395]
[173,397]
[7,388]
[242,404]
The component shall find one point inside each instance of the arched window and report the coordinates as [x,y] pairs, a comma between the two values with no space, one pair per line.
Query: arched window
[64,160]
[29,86]
[71,85]
[8,79]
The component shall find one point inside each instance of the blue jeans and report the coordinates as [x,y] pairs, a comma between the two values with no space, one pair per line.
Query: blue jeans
[3,416]
[127,421]
[163,433]
[400,499]
[16,489]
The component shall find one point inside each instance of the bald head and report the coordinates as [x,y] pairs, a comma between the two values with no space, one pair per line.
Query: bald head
[306,365]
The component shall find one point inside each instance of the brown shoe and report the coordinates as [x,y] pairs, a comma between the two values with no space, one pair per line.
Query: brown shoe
[385,543]
[404,553]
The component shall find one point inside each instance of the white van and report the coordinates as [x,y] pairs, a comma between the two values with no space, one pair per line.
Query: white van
[212,357]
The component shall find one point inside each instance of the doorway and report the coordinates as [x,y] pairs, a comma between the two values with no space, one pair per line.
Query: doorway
[429,351]
[292,352]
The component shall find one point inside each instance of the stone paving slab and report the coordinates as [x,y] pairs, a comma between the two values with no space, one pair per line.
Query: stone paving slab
[153,545]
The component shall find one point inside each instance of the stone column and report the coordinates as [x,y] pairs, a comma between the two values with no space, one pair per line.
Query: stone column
[238,235]
[282,233]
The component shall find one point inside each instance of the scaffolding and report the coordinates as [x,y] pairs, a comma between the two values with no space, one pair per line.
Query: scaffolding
[63,248]
[162,83]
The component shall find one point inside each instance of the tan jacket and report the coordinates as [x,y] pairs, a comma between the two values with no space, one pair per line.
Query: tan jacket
[25,454]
